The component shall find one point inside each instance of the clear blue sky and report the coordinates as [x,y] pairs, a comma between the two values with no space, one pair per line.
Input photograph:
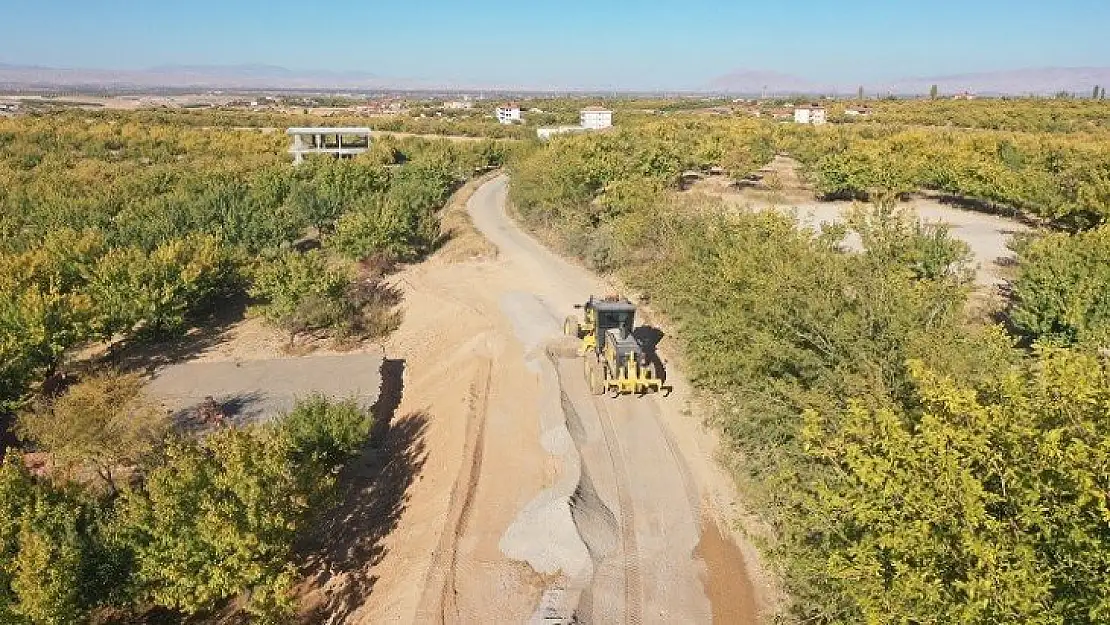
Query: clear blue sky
[645,44]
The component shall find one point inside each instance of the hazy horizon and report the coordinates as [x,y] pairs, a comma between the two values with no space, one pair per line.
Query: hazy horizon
[622,45]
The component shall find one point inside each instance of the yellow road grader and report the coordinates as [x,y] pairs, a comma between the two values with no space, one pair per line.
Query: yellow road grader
[615,360]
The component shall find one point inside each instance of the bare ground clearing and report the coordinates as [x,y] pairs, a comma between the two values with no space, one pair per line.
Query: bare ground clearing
[986,234]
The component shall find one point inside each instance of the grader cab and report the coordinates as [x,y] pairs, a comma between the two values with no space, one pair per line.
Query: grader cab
[615,360]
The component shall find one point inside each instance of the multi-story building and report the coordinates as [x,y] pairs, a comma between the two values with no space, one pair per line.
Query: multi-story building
[509,113]
[809,114]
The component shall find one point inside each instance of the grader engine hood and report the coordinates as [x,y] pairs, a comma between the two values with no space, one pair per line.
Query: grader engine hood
[625,346]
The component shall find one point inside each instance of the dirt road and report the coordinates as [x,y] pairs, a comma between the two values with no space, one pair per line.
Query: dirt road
[539,502]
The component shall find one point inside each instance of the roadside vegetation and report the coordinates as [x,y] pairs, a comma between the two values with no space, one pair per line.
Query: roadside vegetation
[126,230]
[198,522]
[914,461]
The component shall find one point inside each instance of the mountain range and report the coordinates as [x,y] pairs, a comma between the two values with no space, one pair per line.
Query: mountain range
[1038,81]
[204,76]
[1041,81]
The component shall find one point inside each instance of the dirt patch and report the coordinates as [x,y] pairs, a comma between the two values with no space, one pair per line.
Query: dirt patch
[733,600]
[440,601]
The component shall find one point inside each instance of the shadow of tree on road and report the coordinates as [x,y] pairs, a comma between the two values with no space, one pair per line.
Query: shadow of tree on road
[147,356]
[373,493]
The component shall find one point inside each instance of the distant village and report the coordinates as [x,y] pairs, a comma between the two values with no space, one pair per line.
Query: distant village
[592,118]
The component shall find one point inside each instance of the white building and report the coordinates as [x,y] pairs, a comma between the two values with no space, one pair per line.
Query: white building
[459,105]
[328,141]
[811,114]
[509,113]
[596,118]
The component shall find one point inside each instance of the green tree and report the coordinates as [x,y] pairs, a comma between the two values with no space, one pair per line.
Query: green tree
[391,229]
[218,519]
[103,421]
[56,562]
[1062,291]
[152,293]
[36,327]
[986,505]
[893,237]
[214,521]
[303,292]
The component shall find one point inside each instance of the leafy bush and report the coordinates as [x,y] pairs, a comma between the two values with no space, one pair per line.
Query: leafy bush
[986,505]
[892,236]
[1062,291]
[302,292]
[219,517]
[215,520]
[158,290]
[384,227]
[212,520]
[42,309]
[56,563]
[103,421]
[323,433]
[35,329]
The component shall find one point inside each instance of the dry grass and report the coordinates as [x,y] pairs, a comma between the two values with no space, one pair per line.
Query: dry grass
[462,241]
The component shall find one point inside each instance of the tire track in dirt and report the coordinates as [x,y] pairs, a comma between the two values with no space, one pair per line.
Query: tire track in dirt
[731,602]
[439,601]
[630,554]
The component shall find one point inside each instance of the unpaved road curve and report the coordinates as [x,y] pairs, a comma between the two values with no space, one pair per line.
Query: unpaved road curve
[536,501]
[646,567]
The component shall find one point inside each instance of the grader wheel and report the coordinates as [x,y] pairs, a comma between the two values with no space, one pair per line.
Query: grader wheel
[595,376]
[571,327]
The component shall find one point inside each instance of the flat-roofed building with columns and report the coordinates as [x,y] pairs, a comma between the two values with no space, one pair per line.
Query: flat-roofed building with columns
[337,142]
